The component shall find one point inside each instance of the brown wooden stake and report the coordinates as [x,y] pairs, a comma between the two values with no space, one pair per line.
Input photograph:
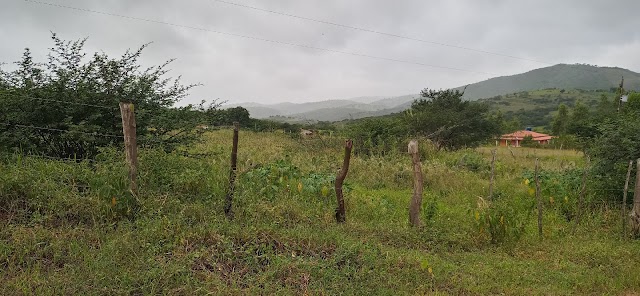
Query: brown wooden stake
[232,172]
[340,212]
[583,191]
[512,155]
[538,198]
[624,200]
[493,168]
[130,146]
[635,212]
[416,200]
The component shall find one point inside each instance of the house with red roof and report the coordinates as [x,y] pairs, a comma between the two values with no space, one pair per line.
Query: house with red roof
[515,139]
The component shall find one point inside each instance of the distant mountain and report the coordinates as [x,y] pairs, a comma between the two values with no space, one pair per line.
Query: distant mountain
[366,100]
[562,76]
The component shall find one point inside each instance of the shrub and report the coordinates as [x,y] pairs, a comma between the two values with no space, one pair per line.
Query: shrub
[504,219]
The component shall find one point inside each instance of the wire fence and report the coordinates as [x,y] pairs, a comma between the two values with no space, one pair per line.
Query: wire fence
[312,145]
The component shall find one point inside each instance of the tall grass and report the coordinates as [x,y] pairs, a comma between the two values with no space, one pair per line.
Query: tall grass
[73,228]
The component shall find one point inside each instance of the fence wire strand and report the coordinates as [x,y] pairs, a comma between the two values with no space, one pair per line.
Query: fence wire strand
[59,130]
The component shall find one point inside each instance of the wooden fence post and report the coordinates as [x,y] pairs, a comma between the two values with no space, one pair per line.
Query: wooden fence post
[416,200]
[624,200]
[130,146]
[583,190]
[493,168]
[538,198]
[232,172]
[340,211]
[635,212]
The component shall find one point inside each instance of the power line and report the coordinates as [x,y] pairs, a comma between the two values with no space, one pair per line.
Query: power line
[379,32]
[57,130]
[258,38]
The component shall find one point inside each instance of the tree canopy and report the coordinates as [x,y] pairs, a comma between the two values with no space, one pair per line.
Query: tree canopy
[68,105]
[449,121]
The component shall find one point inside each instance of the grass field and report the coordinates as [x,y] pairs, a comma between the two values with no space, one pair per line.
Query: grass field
[72,228]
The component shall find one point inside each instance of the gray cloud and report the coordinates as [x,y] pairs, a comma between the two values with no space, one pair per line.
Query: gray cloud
[239,69]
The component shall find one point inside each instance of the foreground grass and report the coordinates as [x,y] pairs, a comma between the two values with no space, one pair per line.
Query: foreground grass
[65,239]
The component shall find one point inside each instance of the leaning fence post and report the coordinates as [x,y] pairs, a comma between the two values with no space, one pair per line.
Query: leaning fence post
[340,212]
[416,200]
[538,198]
[130,147]
[232,172]
[624,200]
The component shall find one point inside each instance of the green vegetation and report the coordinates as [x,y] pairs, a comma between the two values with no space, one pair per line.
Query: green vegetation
[61,233]
[546,87]
[78,97]
[538,108]
[440,116]
[72,226]
[562,76]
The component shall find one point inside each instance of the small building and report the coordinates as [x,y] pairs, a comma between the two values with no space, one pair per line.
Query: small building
[515,139]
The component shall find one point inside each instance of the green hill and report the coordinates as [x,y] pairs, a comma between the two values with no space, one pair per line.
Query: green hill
[536,108]
[560,76]
[586,80]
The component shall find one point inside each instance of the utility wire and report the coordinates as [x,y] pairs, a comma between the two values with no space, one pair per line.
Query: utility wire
[258,38]
[58,130]
[379,32]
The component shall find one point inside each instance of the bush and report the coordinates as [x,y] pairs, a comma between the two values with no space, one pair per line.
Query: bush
[504,219]
[73,104]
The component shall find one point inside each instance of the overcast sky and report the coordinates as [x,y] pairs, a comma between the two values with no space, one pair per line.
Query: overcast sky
[240,69]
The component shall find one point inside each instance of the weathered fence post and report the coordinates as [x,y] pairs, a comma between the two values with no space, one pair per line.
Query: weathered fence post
[538,198]
[340,212]
[416,200]
[232,172]
[624,200]
[130,146]
[493,168]
[583,190]
[635,212]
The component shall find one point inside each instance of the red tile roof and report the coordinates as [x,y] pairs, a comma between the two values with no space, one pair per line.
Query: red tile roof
[519,135]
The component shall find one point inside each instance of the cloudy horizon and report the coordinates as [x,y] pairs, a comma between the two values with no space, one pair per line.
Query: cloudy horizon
[223,47]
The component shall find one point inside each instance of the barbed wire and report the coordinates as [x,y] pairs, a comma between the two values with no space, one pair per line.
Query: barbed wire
[69,159]
[61,102]
[59,130]
[72,103]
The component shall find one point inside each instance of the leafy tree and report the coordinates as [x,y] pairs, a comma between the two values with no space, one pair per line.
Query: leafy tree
[376,135]
[582,125]
[633,103]
[506,126]
[614,147]
[449,121]
[73,100]
[239,114]
[528,141]
[560,121]
[605,107]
